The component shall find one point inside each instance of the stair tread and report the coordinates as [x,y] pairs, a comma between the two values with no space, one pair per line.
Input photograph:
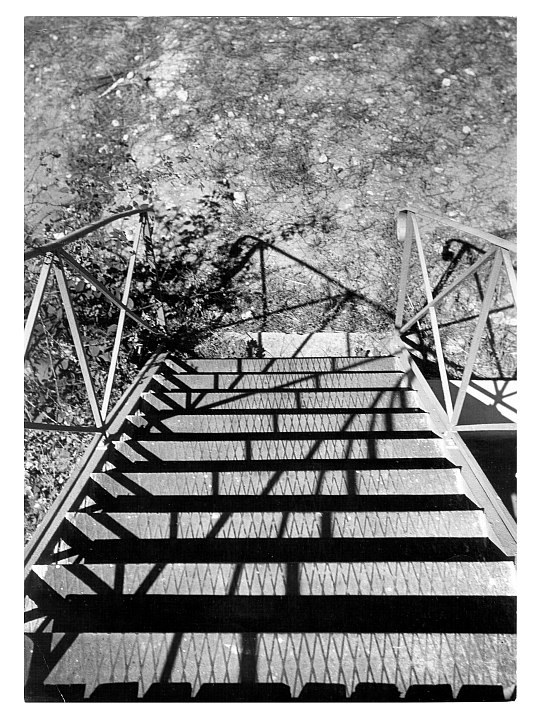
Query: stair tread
[268,365]
[281,381]
[166,525]
[288,398]
[395,481]
[278,423]
[161,448]
[361,578]
[291,658]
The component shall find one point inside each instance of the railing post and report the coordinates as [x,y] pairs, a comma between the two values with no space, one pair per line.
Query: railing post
[510,273]
[77,341]
[263,285]
[477,337]
[120,325]
[149,250]
[433,320]
[404,232]
[36,302]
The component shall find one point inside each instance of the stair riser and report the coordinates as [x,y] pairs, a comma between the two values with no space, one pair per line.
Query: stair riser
[80,549]
[158,613]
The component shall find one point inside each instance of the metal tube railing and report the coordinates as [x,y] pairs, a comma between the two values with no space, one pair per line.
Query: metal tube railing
[56,257]
[498,255]
[84,232]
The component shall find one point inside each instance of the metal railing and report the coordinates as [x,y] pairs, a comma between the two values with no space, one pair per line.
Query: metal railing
[56,258]
[499,254]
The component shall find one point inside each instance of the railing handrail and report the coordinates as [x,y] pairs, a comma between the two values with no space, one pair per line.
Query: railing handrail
[409,233]
[494,239]
[82,232]
[55,258]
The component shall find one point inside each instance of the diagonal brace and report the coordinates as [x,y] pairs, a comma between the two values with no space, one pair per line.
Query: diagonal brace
[77,341]
[102,289]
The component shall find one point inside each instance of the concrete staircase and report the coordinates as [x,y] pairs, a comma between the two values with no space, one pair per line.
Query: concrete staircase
[267,530]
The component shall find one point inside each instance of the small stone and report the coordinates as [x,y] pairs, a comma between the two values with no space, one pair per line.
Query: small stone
[175,111]
[313,59]
[369,101]
[182,95]
[470,72]
[446,82]
[130,75]
[323,158]
[438,170]
[440,71]
[115,123]
[466,129]
[230,114]
[454,77]
[452,213]
[280,111]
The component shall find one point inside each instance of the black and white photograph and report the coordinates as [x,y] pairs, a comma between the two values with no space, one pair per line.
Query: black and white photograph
[270,359]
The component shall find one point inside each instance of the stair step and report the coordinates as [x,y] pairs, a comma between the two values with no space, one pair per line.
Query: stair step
[241,483]
[330,579]
[279,525]
[288,399]
[285,365]
[280,423]
[283,449]
[281,381]
[271,657]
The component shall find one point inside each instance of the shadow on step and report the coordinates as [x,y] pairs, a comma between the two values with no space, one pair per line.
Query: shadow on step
[116,613]
[262,692]
[271,550]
